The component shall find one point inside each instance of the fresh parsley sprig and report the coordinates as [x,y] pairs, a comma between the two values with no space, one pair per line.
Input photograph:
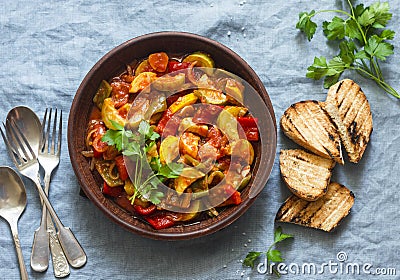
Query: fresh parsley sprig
[136,146]
[363,43]
[272,255]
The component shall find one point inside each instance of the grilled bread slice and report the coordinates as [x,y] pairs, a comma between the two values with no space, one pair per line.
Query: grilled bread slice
[350,110]
[306,175]
[307,124]
[324,214]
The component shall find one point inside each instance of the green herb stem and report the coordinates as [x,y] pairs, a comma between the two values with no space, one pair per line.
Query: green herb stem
[386,87]
[363,42]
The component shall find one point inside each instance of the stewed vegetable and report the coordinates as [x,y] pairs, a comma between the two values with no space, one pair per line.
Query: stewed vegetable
[171,139]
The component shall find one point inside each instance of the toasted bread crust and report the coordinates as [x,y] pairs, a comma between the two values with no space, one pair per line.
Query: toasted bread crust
[307,124]
[306,175]
[349,109]
[325,213]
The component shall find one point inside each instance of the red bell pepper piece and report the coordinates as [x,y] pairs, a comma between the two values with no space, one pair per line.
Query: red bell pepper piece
[174,65]
[111,191]
[249,127]
[120,163]
[252,134]
[168,124]
[160,220]
[167,115]
[247,122]
[144,211]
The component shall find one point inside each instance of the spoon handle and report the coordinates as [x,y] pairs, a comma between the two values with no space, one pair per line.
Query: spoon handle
[72,249]
[22,268]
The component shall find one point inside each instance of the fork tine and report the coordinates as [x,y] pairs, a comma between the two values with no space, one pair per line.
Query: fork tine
[53,137]
[43,138]
[22,141]
[59,134]
[47,136]
[9,148]
[16,142]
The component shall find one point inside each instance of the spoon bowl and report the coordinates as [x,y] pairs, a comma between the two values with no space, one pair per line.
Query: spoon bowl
[12,205]
[29,124]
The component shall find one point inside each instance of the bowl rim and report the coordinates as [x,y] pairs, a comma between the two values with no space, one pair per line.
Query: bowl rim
[82,179]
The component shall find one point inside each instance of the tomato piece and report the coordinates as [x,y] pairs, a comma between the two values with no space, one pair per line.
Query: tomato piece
[174,65]
[111,191]
[120,93]
[172,126]
[234,196]
[144,211]
[124,110]
[214,137]
[172,98]
[159,61]
[120,163]
[206,114]
[160,221]
[97,126]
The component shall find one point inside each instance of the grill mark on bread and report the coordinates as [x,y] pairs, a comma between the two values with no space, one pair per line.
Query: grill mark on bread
[324,214]
[354,108]
[352,116]
[306,175]
[348,98]
[308,124]
[293,125]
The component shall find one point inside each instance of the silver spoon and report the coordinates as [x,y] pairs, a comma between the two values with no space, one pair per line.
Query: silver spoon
[12,204]
[31,127]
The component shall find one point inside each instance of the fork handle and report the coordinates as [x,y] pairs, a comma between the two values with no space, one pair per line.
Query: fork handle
[72,249]
[40,249]
[60,263]
[44,235]
[40,246]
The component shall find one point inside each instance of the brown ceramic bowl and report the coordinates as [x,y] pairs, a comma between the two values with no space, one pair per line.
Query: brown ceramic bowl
[112,64]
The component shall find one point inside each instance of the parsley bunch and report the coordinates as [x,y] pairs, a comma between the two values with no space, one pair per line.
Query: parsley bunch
[272,255]
[135,146]
[363,42]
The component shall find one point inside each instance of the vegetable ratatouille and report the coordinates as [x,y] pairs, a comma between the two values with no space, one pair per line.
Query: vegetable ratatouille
[172,139]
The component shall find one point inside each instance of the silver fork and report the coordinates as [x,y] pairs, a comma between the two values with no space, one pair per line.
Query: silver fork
[49,158]
[26,162]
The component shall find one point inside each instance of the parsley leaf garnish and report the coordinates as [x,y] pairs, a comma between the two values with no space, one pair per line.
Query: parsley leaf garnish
[363,43]
[114,137]
[131,144]
[272,255]
[306,25]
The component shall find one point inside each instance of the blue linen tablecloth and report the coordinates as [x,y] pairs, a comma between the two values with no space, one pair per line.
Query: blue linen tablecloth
[47,47]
